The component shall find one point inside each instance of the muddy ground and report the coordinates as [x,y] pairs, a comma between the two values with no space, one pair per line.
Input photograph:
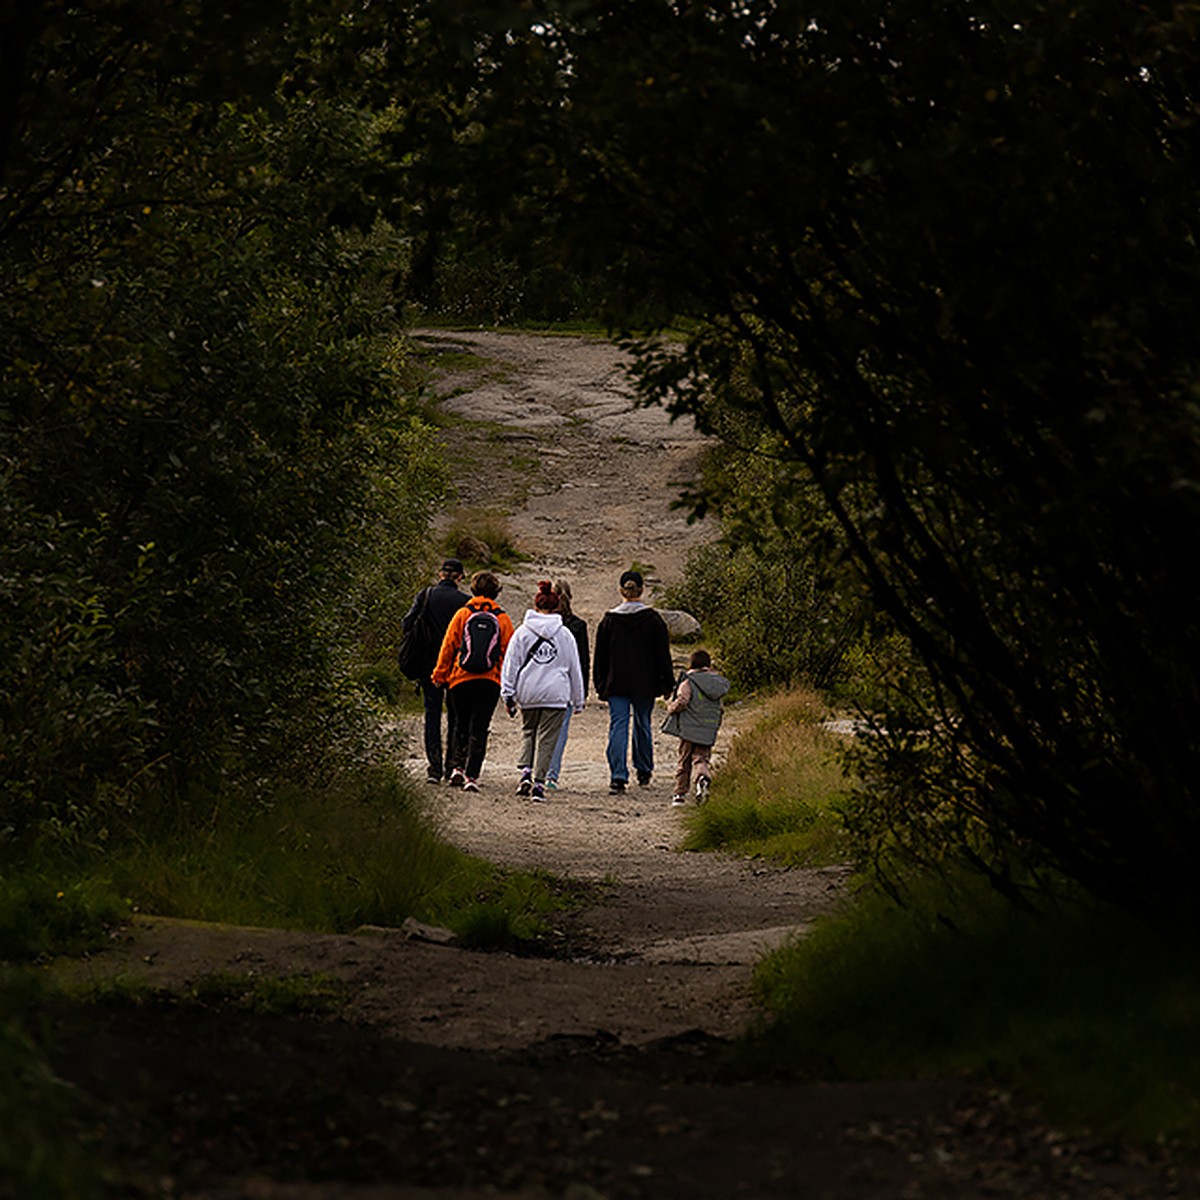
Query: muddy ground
[607,1070]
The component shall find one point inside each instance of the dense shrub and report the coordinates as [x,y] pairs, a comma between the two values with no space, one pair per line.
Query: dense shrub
[215,480]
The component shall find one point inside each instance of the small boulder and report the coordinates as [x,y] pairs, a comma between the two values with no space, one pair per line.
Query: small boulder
[412,931]
[471,549]
[682,626]
[416,931]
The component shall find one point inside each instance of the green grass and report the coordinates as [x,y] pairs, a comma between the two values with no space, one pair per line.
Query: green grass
[46,912]
[776,794]
[1080,1009]
[576,327]
[489,527]
[330,860]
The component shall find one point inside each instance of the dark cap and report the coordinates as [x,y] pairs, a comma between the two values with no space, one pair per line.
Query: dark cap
[453,565]
[634,577]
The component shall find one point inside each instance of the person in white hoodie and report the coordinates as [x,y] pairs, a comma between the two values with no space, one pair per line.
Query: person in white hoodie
[541,676]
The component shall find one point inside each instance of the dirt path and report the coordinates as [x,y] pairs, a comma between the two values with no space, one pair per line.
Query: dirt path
[453,1074]
[601,500]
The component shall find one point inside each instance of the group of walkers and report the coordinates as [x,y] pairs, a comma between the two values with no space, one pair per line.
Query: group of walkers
[468,657]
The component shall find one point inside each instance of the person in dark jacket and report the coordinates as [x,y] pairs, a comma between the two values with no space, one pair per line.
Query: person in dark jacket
[632,666]
[431,611]
[578,627]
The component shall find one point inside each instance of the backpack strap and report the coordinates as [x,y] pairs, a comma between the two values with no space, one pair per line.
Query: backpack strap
[541,641]
[420,611]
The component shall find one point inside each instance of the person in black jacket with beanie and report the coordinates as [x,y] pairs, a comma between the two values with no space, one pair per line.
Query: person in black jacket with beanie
[431,612]
[632,665]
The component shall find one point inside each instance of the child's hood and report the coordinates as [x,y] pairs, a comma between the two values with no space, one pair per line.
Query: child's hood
[714,686]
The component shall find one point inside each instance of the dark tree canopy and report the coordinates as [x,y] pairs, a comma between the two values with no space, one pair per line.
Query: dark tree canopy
[946,257]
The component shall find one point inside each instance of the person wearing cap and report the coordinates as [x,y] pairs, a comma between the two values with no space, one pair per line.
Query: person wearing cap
[630,667]
[430,613]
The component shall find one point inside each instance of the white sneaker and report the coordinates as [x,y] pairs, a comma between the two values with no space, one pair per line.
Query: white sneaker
[470,786]
[678,801]
[702,785]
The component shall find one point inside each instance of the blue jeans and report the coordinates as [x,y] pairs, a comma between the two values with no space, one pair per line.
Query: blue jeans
[552,771]
[619,710]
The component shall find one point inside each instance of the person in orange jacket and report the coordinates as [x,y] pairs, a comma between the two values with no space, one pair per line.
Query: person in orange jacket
[468,665]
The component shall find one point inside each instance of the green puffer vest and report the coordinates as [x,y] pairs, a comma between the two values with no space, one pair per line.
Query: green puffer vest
[701,719]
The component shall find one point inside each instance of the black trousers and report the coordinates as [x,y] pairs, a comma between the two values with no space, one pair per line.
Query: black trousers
[435,697]
[472,704]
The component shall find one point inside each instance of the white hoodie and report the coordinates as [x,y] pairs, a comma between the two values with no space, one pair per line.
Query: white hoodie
[550,676]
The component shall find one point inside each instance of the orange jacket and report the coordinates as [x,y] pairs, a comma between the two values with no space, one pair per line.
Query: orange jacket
[447,672]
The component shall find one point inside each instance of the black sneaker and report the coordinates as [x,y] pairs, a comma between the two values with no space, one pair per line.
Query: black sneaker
[643,778]
[616,787]
[525,786]
[433,777]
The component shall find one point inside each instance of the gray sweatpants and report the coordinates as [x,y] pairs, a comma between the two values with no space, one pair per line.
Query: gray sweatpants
[539,730]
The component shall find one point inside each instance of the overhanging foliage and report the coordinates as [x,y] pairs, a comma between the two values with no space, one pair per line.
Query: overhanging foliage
[947,256]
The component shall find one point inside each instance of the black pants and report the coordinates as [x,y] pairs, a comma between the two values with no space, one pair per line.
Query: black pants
[434,697]
[471,706]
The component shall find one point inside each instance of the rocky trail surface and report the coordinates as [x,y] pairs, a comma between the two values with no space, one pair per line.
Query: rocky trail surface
[599,1074]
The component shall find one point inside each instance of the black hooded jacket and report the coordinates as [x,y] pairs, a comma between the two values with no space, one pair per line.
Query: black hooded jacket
[632,654]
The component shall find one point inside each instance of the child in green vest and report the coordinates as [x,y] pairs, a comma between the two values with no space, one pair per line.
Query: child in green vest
[694,716]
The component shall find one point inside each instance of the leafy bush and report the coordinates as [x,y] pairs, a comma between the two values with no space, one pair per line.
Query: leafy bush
[38,916]
[213,482]
[769,589]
